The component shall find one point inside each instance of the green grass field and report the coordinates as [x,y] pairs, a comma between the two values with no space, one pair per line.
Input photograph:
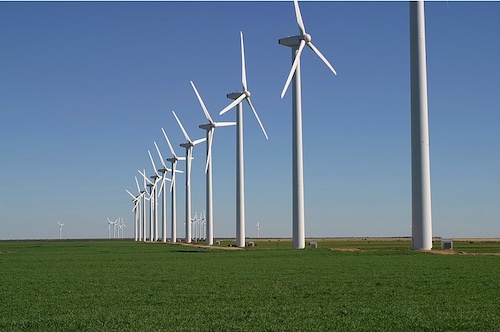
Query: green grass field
[128,286]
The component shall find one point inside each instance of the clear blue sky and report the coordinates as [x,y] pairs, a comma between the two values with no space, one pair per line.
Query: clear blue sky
[86,86]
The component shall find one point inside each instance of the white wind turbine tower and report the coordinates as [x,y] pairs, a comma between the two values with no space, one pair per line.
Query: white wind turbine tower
[138,214]
[194,223]
[163,189]
[258,230]
[297,43]
[156,178]
[109,228]
[148,184]
[204,228]
[136,210]
[240,176]
[152,202]
[60,229]
[189,153]
[115,225]
[143,228]
[122,225]
[141,212]
[420,155]
[173,160]
[210,128]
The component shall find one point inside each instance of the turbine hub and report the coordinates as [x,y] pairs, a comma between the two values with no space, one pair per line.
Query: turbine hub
[307,37]
[247,93]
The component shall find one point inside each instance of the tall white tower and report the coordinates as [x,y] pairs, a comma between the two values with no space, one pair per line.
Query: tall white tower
[420,156]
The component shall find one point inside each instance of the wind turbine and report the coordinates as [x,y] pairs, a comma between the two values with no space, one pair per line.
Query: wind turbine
[60,229]
[210,128]
[156,177]
[189,153]
[109,228]
[258,230]
[240,176]
[173,160]
[420,155]
[144,199]
[204,228]
[136,200]
[137,211]
[163,189]
[141,213]
[115,225]
[152,201]
[297,43]
[122,225]
[194,223]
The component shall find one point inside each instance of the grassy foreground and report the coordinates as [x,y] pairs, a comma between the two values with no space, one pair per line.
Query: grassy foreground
[112,286]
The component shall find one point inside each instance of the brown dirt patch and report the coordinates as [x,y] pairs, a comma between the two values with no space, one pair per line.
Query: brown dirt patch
[202,246]
[442,252]
[454,252]
[345,249]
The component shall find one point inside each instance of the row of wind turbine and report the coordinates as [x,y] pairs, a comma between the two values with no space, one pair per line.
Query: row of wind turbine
[209,127]
[420,154]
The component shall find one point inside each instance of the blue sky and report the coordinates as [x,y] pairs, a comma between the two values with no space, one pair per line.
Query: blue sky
[86,86]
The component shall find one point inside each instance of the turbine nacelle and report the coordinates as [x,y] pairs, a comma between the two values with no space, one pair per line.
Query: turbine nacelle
[290,41]
[186,145]
[207,126]
[164,170]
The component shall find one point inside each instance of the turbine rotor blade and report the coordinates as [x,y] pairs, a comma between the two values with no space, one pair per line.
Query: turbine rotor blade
[209,153]
[174,165]
[152,163]
[162,184]
[224,124]
[299,18]
[145,177]
[137,183]
[130,194]
[257,117]
[294,67]
[182,127]
[198,141]
[207,115]
[243,69]
[168,141]
[321,56]
[233,104]
[159,154]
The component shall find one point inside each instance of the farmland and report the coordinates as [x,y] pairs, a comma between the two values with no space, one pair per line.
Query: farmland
[123,285]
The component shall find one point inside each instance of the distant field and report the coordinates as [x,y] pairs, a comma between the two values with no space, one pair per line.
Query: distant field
[128,286]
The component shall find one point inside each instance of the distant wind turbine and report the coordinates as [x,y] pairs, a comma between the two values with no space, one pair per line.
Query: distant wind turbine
[239,97]
[145,197]
[173,160]
[60,229]
[109,228]
[141,213]
[297,43]
[137,211]
[163,189]
[152,201]
[210,128]
[189,153]
[122,225]
[156,178]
